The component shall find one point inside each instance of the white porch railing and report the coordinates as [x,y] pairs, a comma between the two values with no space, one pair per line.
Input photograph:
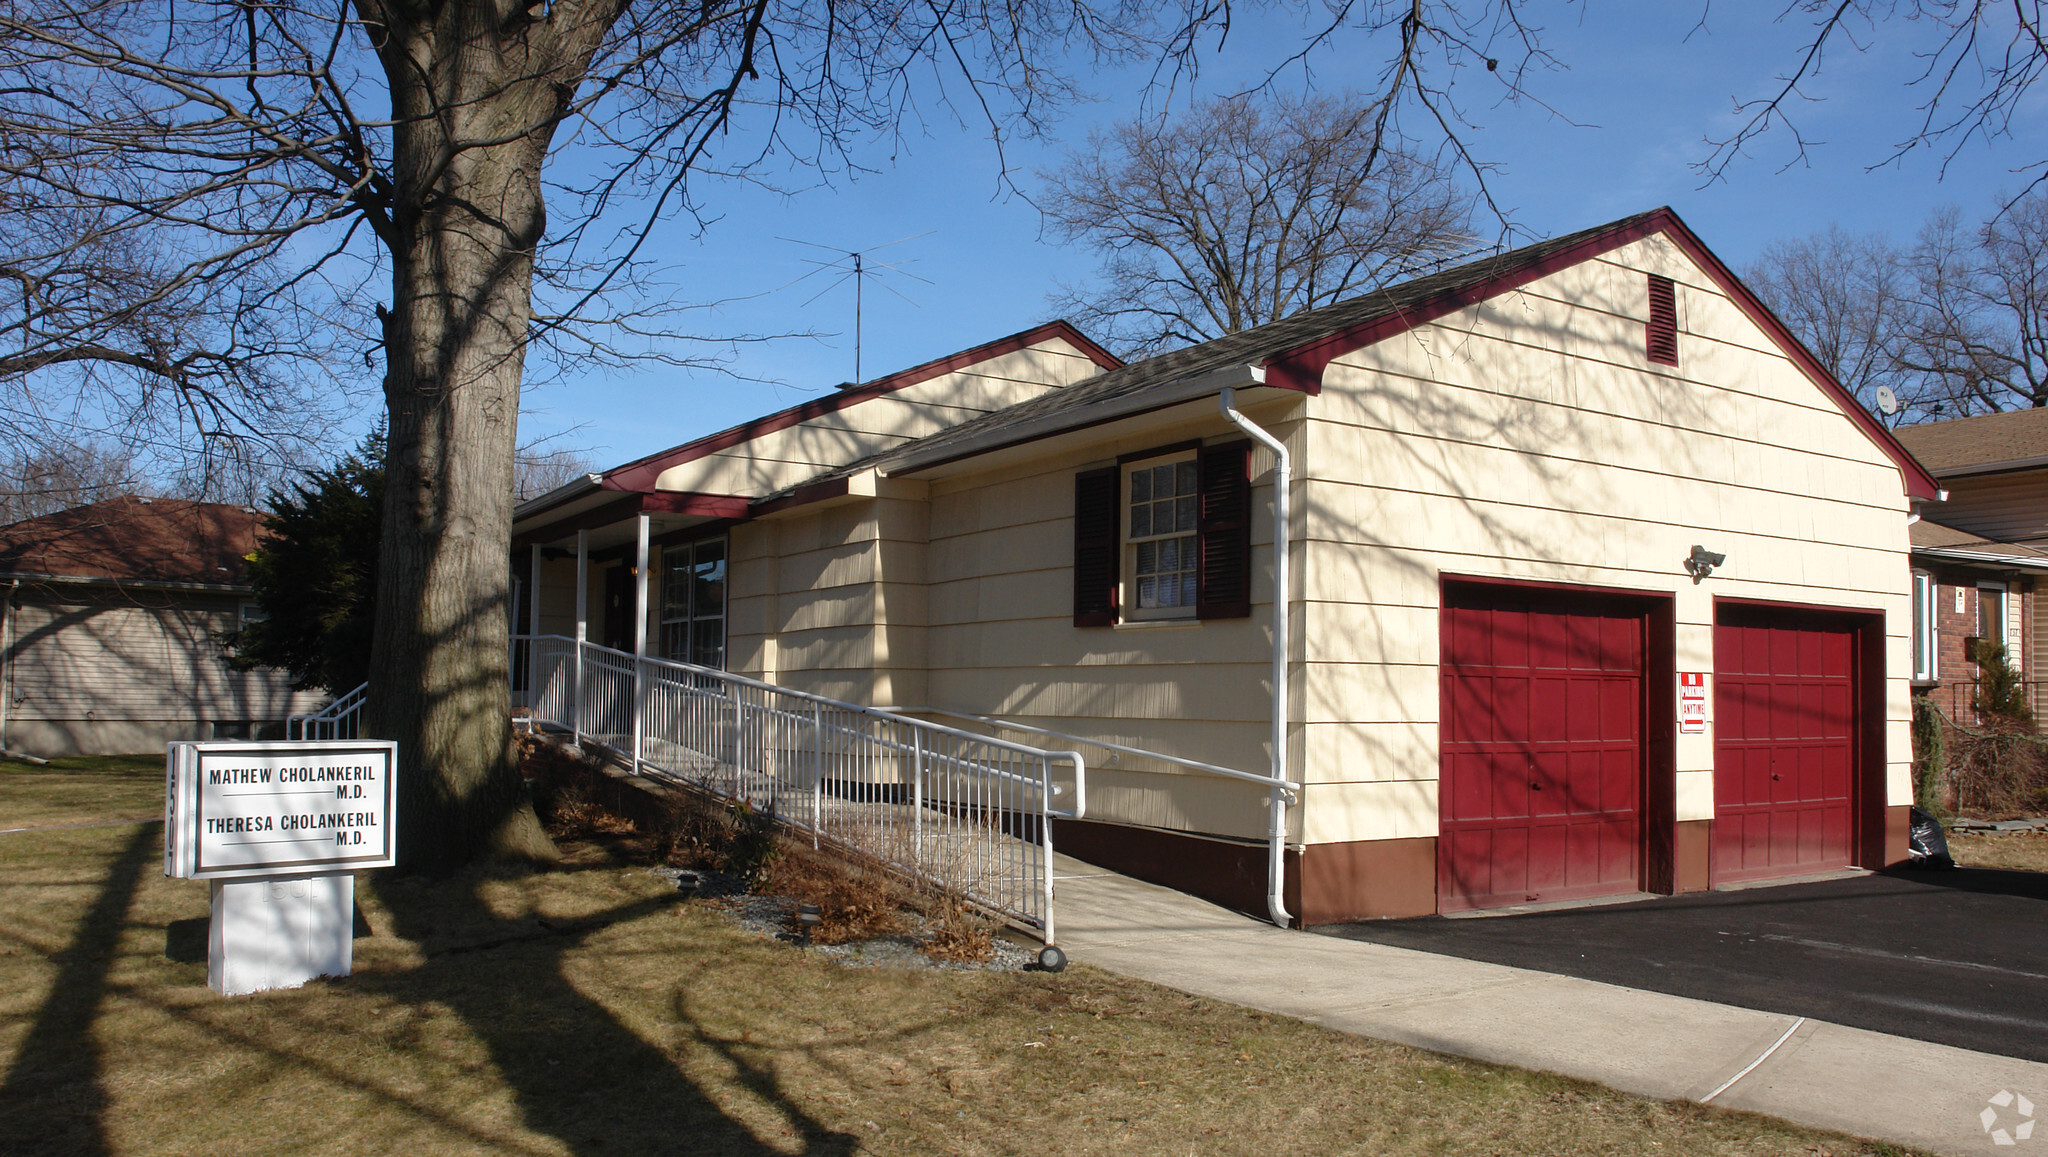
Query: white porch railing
[341,719]
[966,811]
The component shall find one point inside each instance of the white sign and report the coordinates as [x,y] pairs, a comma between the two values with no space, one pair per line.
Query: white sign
[256,809]
[1692,702]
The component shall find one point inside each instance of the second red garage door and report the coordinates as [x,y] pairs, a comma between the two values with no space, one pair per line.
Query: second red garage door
[1784,743]
[1542,743]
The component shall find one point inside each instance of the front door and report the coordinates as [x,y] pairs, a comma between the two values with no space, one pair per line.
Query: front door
[618,608]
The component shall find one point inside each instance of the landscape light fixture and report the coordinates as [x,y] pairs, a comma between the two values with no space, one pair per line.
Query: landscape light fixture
[807,919]
[1701,563]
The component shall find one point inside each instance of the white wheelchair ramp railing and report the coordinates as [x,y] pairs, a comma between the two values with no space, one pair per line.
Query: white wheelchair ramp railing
[967,812]
[341,719]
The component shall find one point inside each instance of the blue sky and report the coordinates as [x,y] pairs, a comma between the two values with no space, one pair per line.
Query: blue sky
[1646,82]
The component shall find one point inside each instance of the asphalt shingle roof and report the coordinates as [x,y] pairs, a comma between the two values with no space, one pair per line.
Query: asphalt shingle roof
[136,540]
[1936,536]
[1962,443]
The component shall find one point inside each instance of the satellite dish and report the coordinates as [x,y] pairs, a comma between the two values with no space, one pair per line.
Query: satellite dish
[1887,402]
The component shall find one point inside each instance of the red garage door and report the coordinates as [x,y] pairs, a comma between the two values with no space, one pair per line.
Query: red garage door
[1542,741]
[1784,743]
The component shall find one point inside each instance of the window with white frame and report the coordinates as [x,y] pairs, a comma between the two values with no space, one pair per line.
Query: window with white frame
[693,602]
[1923,626]
[1162,499]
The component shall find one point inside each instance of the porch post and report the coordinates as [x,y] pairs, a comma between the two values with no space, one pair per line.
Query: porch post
[639,635]
[582,632]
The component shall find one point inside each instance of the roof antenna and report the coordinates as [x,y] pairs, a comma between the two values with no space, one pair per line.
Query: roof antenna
[855,266]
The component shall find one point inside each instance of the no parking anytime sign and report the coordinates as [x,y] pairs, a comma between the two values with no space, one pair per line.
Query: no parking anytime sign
[1692,702]
[254,809]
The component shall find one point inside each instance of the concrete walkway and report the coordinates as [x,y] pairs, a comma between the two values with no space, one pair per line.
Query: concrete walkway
[1886,1087]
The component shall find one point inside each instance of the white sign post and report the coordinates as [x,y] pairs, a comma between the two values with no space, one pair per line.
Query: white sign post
[279,830]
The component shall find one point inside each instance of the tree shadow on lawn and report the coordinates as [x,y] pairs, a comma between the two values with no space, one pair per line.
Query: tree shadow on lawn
[55,1080]
[577,1072]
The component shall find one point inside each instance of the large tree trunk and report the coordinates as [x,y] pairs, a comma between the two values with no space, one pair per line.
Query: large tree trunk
[476,110]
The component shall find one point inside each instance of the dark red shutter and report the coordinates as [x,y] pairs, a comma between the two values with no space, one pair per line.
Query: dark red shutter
[1661,334]
[1225,525]
[1096,547]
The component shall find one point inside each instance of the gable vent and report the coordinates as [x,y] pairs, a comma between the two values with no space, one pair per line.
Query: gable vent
[1661,334]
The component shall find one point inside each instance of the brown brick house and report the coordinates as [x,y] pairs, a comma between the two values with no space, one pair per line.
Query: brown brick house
[1977,556]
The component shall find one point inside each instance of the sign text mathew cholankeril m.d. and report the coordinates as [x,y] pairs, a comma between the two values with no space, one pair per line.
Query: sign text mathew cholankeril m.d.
[241,809]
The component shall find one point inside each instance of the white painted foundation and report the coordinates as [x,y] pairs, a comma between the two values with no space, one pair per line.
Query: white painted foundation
[280,931]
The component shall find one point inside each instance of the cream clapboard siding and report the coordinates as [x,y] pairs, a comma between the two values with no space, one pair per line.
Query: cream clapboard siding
[1528,437]
[785,458]
[1003,643]
[831,601]
[2006,507]
[98,672]
[558,597]
[959,596]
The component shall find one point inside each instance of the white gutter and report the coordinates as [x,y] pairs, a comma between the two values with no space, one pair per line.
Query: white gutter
[1276,832]
[1139,401]
[1952,554]
[573,488]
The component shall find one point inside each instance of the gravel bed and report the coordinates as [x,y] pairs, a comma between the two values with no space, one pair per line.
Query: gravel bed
[773,916]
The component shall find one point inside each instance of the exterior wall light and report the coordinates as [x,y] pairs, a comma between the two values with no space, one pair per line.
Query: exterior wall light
[1701,563]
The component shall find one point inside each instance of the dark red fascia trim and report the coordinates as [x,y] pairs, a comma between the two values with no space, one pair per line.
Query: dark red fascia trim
[691,502]
[640,475]
[1302,369]
[728,506]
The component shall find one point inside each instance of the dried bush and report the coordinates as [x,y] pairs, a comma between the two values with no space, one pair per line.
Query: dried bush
[567,790]
[1997,771]
[855,901]
[960,932]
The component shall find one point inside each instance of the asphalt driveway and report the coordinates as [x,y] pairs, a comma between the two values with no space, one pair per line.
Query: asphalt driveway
[1957,957]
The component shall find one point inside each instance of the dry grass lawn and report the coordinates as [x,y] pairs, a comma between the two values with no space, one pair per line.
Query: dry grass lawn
[586,1011]
[81,789]
[2020,851]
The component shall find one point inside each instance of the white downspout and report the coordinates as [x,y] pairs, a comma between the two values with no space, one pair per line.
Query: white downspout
[1276,836]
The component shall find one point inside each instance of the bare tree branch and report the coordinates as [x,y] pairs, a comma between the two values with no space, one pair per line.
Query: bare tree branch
[1246,210]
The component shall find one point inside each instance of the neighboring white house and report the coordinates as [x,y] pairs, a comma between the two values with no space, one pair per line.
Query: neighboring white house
[110,618]
[1544,506]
